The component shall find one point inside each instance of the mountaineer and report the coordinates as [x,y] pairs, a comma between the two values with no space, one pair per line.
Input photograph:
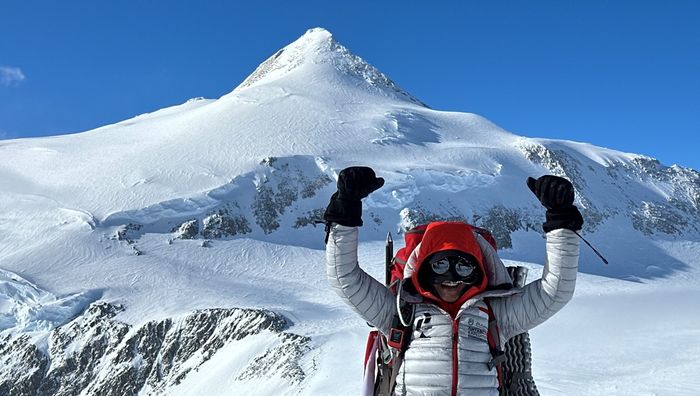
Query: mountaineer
[453,284]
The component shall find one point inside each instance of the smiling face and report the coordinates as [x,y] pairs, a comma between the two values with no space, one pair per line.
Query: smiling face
[446,266]
[449,291]
[449,274]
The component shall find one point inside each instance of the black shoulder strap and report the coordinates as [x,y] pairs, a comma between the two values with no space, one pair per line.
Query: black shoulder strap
[498,357]
[390,353]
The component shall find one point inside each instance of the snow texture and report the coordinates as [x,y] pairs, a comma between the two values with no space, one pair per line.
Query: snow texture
[123,244]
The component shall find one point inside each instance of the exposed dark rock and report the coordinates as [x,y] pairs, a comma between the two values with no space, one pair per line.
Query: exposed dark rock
[309,187]
[654,217]
[309,218]
[502,222]
[128,233]
[560,163]
[280,189]
[417,215]
[88,337]
[95,354]
[679,213]
[499,220]
[265,210]
[225,224]
[187,230]
[681,210]
[22,366]
[283,358]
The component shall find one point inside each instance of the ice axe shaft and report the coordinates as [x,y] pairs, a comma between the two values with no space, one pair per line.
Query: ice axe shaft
[388,258]
[594,249]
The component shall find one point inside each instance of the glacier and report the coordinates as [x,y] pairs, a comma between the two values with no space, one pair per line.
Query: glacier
[135,256]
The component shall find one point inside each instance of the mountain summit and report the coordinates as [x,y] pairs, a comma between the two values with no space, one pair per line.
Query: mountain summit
[260,162]
[144,256]
[318,49]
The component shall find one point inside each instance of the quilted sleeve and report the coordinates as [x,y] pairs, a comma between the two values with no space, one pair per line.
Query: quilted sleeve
[373,301]
[542,298]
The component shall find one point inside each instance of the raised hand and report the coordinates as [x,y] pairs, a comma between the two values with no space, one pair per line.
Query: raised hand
[557,195]
[354,183]
[554,192]
[357,182]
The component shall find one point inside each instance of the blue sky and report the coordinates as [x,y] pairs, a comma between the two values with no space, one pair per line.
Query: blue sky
[619,74]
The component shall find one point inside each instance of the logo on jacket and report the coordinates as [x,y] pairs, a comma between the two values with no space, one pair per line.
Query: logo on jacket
[422,324]
[477,329]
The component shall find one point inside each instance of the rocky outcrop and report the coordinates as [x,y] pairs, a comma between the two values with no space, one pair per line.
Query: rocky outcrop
[277,190]
[22,366]
[224,223]
[561,163]
[499,220]
[283,359]
[653,217]
[503,221]
[309,218]
[95,354]
[280,192]
[682,185]
[128,233]
[417,214]
[676,208]
[187,230]
[679,212]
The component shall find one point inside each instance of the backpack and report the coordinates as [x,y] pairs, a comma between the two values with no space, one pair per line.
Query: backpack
[384,356]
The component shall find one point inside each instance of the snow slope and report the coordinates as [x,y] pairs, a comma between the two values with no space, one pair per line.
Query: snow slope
[210,204]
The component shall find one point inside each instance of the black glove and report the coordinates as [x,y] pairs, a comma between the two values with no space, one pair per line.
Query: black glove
[557,195]
[354,183]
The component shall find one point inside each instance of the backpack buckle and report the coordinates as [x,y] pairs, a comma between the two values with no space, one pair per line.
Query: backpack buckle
[498,358]
[395,339]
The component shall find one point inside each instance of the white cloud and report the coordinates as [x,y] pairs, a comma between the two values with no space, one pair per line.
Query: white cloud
[11,75]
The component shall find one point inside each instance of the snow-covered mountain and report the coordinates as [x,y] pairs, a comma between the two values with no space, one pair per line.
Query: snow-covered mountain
[177,252]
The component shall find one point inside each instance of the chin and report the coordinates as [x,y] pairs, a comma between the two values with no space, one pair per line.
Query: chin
[449,295]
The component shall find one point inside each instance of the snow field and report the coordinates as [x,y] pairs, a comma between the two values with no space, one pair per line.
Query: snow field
[631,329]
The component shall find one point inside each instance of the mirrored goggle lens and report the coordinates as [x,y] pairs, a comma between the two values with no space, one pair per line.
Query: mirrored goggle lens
[441,266]
[463,267]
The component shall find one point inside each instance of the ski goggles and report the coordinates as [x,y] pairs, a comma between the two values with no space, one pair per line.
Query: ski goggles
[462,266]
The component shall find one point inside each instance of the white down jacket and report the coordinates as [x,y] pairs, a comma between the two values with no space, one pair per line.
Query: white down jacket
[448,354]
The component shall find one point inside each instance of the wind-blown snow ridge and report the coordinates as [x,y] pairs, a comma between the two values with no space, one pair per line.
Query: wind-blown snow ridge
[24,307]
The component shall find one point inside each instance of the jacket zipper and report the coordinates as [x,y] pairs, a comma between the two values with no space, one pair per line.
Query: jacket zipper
[455,355]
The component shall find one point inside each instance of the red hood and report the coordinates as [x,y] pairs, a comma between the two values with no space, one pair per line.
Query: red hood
[441,236]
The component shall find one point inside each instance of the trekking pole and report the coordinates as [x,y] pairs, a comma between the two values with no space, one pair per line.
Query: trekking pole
[594,249]
[388,258]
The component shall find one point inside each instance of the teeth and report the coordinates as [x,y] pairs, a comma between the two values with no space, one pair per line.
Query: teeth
[450,283]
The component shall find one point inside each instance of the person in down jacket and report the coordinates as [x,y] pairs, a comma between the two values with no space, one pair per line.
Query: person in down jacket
[448,276]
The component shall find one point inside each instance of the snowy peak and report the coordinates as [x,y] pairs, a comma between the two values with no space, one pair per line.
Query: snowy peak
[313,44]
[318,49]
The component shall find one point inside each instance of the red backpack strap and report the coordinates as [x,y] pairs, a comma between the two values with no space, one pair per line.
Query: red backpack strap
[498,357]
[412,238]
